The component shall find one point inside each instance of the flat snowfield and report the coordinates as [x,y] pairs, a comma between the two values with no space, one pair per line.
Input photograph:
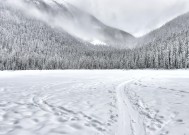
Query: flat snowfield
[107,102]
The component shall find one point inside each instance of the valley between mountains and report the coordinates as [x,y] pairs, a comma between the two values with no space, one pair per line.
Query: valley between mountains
[63,71]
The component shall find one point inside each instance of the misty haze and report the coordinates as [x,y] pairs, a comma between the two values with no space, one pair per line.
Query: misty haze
[94,67]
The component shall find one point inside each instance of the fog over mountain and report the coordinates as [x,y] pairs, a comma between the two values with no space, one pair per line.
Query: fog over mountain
[134,16]
[80,24]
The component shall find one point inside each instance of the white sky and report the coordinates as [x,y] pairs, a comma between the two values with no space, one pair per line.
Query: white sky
[135,16]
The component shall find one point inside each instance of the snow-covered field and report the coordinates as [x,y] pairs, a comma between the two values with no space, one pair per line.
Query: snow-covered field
[107,102]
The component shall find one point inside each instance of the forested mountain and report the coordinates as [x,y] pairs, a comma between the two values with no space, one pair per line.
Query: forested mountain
[26,43]
[30,43]
[168,46]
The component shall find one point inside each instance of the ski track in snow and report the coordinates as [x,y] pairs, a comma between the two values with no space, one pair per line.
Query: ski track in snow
[111,102]
[130,122]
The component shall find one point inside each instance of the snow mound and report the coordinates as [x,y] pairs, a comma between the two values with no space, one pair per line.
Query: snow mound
[53,2]
[97,42]
[50,2]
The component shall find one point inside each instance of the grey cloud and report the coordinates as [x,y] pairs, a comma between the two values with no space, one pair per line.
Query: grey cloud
[135,16]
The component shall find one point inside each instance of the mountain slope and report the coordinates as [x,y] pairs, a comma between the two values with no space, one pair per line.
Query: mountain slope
[172,28]
[80,24]
[166,47]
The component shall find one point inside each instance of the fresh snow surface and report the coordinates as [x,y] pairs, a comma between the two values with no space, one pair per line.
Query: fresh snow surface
[81,102]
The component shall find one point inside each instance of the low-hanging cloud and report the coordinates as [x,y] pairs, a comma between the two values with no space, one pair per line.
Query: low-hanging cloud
[54,20]
[135,16]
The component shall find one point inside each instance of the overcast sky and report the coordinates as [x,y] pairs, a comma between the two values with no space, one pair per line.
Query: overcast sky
[135,16]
